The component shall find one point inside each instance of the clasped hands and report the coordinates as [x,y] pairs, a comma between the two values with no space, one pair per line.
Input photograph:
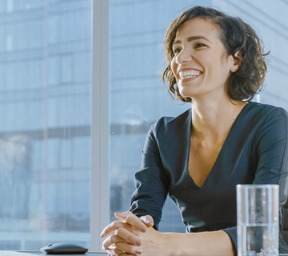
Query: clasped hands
[127,232]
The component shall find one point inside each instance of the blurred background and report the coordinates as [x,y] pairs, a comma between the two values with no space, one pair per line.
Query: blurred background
[46,106]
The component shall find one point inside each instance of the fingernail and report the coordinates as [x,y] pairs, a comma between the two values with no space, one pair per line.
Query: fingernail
[138,251]
[145,219]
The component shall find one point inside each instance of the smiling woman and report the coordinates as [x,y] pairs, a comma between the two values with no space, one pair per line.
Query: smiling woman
[200,156]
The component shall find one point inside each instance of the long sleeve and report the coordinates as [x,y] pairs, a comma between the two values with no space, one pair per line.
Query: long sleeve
[151,182]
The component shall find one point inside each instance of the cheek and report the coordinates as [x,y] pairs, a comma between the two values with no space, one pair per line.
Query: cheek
[228,61]
[173,66]
[220,65]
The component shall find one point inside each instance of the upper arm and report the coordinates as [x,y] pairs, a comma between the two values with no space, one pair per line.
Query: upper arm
[272,152]
[151,182]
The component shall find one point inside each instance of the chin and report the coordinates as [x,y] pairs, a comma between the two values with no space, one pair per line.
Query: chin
[187,93]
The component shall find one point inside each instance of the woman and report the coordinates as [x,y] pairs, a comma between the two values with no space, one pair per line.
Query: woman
[216,62]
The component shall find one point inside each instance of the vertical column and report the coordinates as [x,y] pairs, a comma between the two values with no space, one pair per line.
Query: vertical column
[100,121]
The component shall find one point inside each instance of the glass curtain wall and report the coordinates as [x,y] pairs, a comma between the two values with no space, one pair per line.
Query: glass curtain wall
[138,97]
[45,111]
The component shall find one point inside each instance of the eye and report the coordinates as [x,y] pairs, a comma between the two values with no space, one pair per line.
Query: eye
[176,51]
[199,45]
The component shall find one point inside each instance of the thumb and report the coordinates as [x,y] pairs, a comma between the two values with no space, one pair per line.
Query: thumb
[147,220]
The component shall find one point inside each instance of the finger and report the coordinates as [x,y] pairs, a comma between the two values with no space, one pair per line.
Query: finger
[126,249]
[111,241]
[127,236]
[135,222]
[122,253]
[148,220]
[117,252]
[111,252]
[132,219]
[111,228]
[122,215]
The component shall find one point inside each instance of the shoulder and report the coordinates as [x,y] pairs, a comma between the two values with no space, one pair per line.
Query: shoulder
[265,112]
[168,124]
[261,107]
[265,121]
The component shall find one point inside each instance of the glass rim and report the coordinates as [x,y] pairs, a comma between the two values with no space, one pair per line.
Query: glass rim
[248,186]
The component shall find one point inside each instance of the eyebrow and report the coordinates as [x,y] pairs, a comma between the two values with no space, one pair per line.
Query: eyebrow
[192,38]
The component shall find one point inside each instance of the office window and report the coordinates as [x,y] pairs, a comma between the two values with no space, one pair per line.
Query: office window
[45,112]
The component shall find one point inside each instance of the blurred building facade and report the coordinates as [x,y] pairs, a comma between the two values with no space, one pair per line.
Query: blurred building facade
[45,91]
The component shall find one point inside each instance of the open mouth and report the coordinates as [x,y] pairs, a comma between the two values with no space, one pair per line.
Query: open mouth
[189,74]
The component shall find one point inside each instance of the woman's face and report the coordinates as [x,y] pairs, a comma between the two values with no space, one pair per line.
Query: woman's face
[200,64]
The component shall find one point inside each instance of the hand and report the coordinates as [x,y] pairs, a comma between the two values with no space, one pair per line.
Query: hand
[126,239]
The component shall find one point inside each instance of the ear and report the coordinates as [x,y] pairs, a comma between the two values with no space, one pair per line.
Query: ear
[237,60]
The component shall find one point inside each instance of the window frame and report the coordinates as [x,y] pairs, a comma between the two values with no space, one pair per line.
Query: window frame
[99,205]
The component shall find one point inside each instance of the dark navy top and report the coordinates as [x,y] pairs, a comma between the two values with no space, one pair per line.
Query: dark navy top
[255,151]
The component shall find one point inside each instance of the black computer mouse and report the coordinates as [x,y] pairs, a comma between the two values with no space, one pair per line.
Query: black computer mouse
[64,248]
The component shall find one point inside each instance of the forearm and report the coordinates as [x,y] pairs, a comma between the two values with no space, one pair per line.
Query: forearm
[189,244]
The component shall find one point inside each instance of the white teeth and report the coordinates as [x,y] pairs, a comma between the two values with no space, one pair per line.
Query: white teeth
[189,73]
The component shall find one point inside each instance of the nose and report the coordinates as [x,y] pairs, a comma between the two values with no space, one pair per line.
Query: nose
[183,56]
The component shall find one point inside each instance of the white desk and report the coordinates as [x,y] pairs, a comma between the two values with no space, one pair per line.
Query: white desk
[36,253]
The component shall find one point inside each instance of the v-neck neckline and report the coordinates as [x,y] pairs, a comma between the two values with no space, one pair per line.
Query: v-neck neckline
[243,110]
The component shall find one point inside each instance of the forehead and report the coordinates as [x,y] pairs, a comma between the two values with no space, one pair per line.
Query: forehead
[198,27]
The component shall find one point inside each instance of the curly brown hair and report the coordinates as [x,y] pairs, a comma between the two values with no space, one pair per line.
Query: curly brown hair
[239,39]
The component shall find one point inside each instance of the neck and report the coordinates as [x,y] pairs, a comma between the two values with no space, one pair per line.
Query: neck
[214,118]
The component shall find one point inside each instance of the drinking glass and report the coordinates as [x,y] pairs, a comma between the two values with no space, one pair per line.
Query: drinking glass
[258,220]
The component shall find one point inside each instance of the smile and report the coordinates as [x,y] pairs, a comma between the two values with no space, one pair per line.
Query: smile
[189,73]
